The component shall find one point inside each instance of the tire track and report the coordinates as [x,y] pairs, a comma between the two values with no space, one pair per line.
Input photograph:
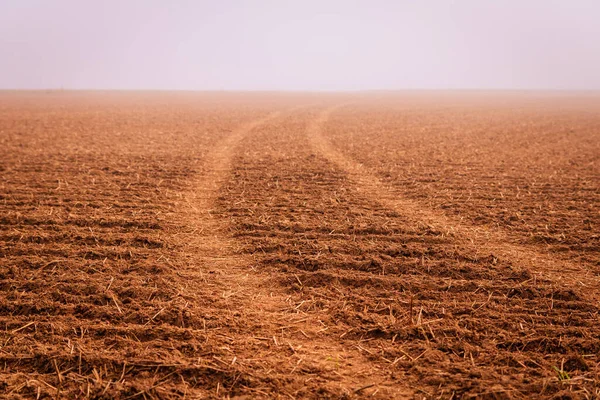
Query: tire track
[483,240]
[329,309]
[272,342]
[354,269]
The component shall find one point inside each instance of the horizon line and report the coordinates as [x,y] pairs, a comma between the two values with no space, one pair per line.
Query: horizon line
[465,89]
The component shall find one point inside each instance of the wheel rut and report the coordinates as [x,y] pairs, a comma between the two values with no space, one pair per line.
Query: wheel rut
[274,347]
[314,280]
[483,240]
[442,302]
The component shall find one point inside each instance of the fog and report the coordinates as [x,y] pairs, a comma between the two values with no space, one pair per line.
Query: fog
[300,44]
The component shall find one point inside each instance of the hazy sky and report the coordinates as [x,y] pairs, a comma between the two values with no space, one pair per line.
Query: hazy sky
[299,44]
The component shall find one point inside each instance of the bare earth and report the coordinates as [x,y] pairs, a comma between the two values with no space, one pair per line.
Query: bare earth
[220,245]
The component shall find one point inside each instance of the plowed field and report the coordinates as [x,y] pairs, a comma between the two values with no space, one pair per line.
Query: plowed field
[219,245]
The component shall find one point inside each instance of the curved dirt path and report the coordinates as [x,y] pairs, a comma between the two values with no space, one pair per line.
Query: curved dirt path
[276,349]
[375,295]
[485,241]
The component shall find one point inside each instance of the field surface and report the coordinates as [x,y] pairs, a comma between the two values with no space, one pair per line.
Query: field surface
[378,245]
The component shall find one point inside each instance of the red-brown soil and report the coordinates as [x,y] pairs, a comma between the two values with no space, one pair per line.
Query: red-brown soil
[384,245]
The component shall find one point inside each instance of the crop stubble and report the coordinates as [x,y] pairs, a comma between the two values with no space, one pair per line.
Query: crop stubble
[161,245]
